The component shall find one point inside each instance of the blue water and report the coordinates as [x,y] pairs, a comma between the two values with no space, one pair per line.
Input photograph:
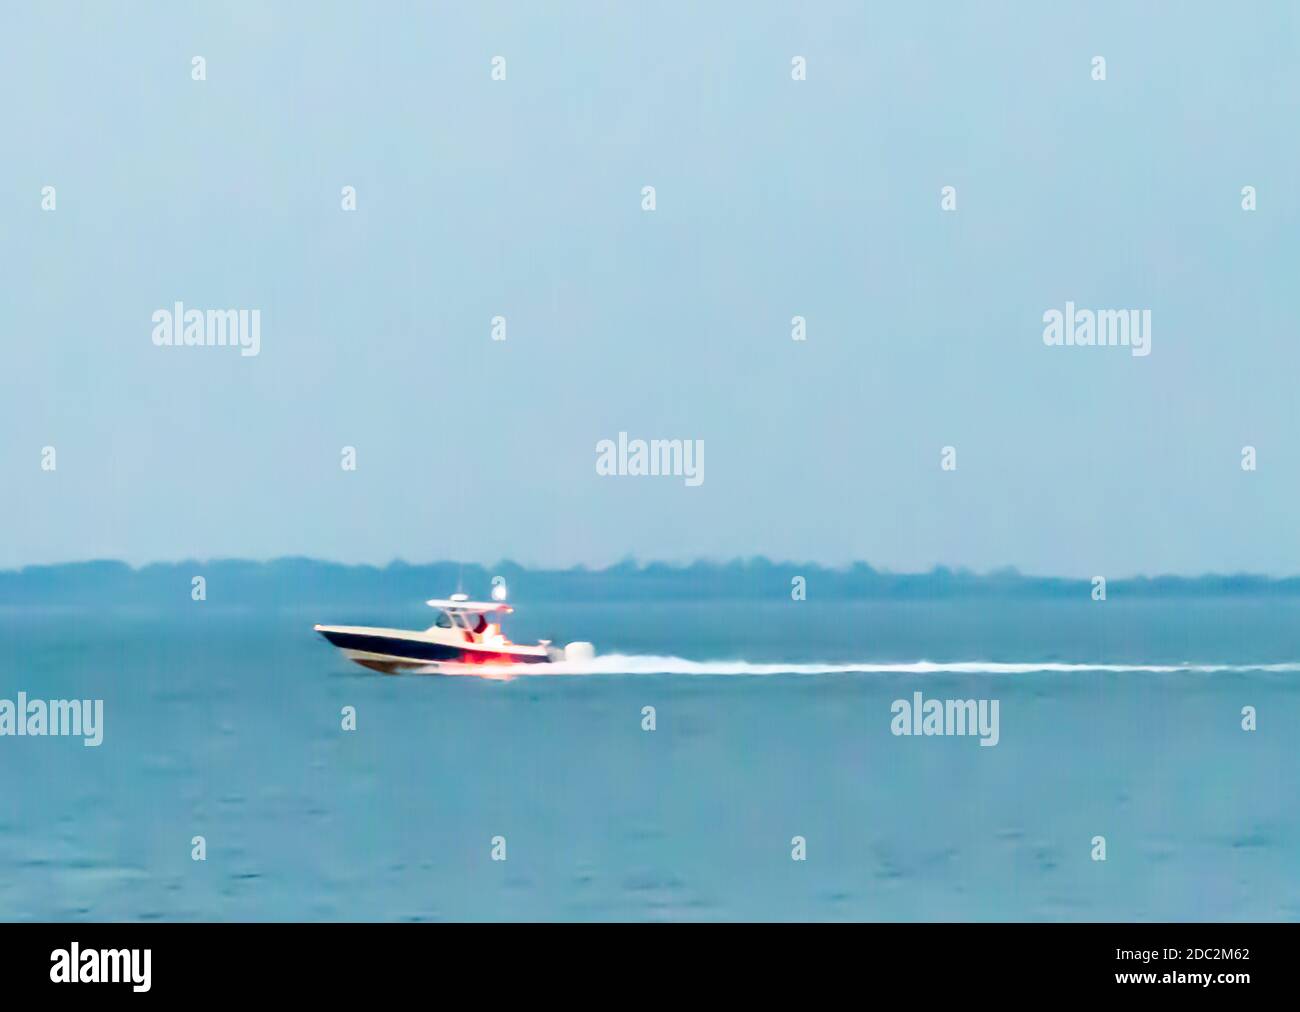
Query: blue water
[225,723]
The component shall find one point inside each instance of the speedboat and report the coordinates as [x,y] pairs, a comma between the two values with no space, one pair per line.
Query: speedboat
[465,635]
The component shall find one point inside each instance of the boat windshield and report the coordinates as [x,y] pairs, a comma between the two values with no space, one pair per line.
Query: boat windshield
[470,620]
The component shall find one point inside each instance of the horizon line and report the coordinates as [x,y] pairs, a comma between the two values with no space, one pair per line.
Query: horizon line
[640,565]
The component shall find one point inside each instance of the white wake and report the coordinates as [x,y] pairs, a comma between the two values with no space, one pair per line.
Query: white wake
[645,664]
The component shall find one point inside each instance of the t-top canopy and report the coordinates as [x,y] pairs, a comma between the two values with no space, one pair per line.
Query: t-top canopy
[458,603]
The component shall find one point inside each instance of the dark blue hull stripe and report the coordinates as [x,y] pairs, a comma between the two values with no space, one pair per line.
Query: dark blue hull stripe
[399,648]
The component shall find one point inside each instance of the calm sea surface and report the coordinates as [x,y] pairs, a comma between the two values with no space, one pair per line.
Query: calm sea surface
[226,724]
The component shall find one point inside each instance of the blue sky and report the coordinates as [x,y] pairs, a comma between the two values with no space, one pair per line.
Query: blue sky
[775,198]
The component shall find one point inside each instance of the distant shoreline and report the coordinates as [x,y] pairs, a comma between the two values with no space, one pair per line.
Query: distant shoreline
[289,580]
